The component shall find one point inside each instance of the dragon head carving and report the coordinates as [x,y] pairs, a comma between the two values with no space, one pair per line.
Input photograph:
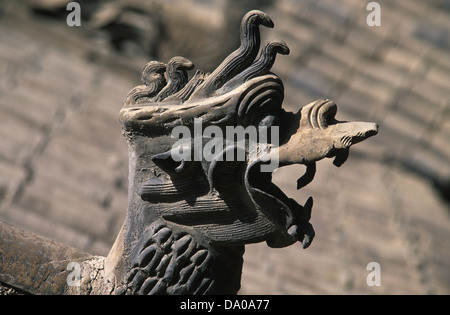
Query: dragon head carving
[215,187]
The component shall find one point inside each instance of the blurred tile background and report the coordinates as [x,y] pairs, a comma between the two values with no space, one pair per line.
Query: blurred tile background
[64,163]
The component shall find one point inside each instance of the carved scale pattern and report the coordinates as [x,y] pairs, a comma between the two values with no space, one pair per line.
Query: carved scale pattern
[169,263]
